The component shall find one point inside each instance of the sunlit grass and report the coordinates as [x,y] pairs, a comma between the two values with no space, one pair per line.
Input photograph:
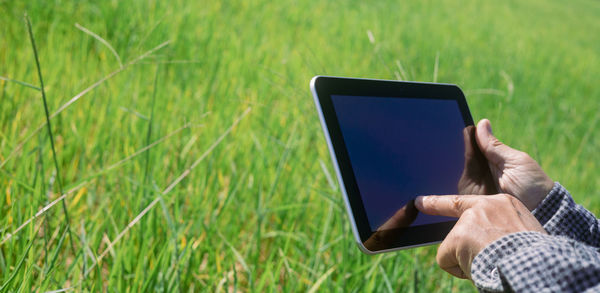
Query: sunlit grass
[172,183]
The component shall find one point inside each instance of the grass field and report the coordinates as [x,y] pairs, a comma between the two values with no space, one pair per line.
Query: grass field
[190,152]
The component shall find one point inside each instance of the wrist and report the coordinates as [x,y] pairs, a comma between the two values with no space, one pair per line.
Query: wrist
[548,186]
[538,193]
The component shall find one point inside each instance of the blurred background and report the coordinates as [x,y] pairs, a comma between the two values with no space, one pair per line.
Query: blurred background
[190,152]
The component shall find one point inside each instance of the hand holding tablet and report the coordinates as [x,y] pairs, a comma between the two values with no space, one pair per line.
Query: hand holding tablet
[392,141]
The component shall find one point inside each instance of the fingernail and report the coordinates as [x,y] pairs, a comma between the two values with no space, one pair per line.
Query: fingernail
[489,127]
[419,201]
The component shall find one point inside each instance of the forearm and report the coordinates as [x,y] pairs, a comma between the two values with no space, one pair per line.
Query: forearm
[561,216]
[534,262]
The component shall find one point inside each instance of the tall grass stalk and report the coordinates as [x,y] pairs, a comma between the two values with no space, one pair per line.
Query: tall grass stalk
[168,189]
[77,97]
[56,167]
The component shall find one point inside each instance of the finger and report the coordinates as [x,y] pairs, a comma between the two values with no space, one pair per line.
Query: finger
[446,258]
[456,271]
[446,205]
[494,150]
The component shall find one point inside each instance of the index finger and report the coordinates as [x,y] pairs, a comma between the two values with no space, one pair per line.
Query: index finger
[445,205]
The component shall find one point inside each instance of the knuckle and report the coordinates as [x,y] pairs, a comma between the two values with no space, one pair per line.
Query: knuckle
[432,201]
[503,197]
[494,142]
[467,214]
[506,200]
[456,203]
[459,230]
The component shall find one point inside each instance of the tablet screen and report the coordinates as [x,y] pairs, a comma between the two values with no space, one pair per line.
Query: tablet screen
[399,148]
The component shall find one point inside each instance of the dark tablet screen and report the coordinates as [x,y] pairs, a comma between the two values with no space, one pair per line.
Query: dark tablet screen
[399,148]
[392,141]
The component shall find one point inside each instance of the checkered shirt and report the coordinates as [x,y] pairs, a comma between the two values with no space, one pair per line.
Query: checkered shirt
[566,260]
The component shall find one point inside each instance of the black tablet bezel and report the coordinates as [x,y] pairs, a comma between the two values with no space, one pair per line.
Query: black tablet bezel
[323,88]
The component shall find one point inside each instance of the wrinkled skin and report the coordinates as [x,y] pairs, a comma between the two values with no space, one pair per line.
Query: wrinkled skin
[514,172]
[482,220]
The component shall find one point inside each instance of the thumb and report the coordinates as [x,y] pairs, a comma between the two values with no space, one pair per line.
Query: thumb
[494,150]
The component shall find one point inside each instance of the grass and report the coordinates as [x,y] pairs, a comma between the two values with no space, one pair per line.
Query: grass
[190,152]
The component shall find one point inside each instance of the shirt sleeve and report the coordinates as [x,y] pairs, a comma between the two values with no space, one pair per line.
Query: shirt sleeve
[536,262]
[561,216]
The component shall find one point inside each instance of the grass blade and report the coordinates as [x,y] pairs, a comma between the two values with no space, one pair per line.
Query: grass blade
[167,190]
[19,146]
[149,132]
[436,66]
[41,212]
[319,281]
[144,190]
[21,83]
[12,276]
[101,40]
[57,169]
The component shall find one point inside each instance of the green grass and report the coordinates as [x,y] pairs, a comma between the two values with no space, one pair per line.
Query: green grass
[254,207]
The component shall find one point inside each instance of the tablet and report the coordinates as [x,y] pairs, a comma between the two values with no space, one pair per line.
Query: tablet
[391,141]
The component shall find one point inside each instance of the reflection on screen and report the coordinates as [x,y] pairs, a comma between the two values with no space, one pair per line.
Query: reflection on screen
[400,148]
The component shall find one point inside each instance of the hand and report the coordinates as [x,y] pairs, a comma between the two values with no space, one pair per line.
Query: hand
[482,220]
[387,234]
[514,172]
[476,177]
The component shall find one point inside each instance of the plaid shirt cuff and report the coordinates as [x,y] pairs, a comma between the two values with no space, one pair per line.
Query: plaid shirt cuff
[484,270]
[535,262]
[551,203]
[561,216]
